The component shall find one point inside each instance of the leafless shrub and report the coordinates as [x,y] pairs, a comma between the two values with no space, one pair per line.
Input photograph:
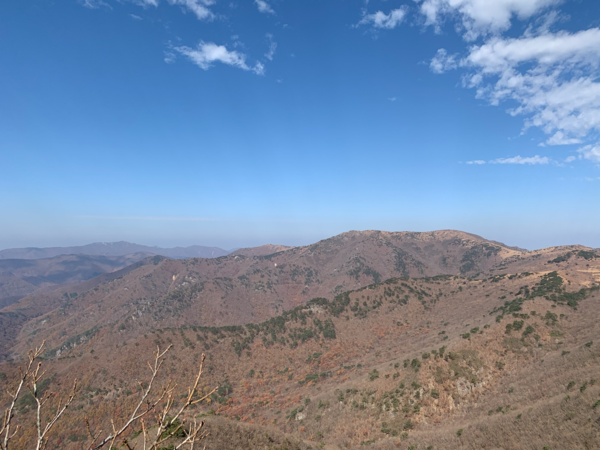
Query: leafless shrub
[155,413]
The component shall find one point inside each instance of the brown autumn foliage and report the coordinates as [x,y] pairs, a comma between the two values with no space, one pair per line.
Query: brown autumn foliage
[363,368]
[155,413]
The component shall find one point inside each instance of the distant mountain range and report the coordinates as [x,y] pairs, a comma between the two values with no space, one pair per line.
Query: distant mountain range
[255,284]
[440,340]
[21,277]
[121,248]
[27,270]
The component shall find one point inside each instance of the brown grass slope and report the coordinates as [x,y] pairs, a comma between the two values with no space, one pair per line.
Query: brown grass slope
[263,250]
[237,289]
[511,359]
[21,277]
[14,316]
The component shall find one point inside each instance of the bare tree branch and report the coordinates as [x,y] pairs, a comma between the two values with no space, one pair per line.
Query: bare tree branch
[5,433]
[167,426]
[42,432]
[166,423]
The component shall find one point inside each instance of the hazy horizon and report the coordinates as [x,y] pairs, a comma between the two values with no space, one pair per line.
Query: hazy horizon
[230,245]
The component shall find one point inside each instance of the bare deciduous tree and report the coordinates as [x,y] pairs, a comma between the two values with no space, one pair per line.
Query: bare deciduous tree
[155,413]
[30,378]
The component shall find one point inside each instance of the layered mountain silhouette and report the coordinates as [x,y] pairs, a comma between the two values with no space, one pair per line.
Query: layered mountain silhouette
[437,340]
[113,249]
[21,277]
[27,270]
[238,289]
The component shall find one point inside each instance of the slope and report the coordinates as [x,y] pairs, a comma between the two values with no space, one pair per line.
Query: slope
[503,361]
[21,277]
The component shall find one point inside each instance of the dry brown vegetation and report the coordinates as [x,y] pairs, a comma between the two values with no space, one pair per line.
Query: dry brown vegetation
[509,357]
[155,414]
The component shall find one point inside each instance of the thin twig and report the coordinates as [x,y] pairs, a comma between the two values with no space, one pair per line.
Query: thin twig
[5,433]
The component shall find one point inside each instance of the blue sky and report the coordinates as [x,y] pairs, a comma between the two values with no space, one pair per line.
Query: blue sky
[237,123]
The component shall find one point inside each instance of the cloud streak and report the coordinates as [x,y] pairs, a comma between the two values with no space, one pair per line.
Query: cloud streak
[208,53]
[146,3]
[264,7]
[590,152]
[94,4]
[481,17]
[384,21]
[272,48]
[442,62]
[552,78]
[519,160]
[199,7]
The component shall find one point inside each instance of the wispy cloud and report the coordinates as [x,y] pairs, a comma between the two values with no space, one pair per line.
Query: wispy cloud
[264,7]
[199,7]
[552,77]
[529,160]
[481,17]
[94,4]
[590,152]
[170,56]
[559,138]
[384,21]
[207,53]
[149,218]
[272,47]
[532,160]
[145,3]
[443,62]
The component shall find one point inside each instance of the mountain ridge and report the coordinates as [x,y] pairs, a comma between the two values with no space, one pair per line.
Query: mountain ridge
[236,289]
[22,277]
[120,248]
[504,359]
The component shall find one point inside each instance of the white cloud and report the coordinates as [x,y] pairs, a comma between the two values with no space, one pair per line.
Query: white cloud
[392,99]
[264,7]
[198,7]
[547,49]
[146,3]
[207,53]
[481,17]
[170,57]
[272,47]
[443,62]
[590,152]
[550,78]
[385,21]
[522,160]
[530,160]
[94,4]
[559,138]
